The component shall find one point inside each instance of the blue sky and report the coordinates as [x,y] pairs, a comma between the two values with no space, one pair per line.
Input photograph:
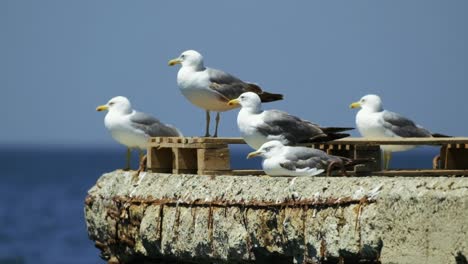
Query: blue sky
[59,59]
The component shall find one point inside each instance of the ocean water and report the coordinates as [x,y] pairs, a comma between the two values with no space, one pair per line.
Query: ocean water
[42,190]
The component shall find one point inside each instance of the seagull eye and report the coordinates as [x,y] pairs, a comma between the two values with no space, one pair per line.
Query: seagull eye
[242,97]
[182,56]
[111,103]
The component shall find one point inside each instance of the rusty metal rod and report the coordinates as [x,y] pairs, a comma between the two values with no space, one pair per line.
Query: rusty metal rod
[243,203]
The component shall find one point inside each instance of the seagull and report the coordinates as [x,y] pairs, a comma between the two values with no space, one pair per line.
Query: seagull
[258,126]
[281,160]
[211,89]
[373,121]
[132,128]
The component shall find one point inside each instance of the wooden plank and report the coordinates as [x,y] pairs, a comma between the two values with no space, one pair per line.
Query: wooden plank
[222,140]
[232,172]
[184,171]
[401,141]
[389,173]
[191,140]
[213,159]
[413,173]
[248,172]
[342,141]
[214,172]
[188,145]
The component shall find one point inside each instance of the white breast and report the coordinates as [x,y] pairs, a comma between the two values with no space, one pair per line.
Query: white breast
[195,87]
[121,130]
[247,124]
[370,125]
[272,167]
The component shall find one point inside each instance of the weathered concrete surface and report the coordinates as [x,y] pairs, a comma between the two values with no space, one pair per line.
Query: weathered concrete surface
[264,219]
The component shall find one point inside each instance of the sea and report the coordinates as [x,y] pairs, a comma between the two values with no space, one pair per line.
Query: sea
[42,192]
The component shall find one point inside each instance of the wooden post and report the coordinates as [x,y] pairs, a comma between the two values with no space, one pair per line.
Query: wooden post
[213,159]
[368,152]
[160,160]
[185,160]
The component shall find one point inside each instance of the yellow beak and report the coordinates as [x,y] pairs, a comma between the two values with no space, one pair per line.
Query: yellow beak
[233,102]
[102,108]
[253,154]
[355,105]
[174,62]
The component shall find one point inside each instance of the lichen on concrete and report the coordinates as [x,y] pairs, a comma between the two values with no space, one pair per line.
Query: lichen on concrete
[251,219]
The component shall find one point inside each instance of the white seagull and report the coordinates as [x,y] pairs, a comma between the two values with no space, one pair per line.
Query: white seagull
[132,128]
[373,121]
[280,160]
[211,89]
[258,126]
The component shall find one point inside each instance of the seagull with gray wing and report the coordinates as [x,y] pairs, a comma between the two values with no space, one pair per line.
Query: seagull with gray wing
[211,89]
[281,160]
[258,126]
[132,128]
[373,121]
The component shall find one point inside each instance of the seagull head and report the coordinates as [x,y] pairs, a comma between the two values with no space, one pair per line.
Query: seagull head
[249,100]
[189,58]
[118,104]
[370,102]
[268,150]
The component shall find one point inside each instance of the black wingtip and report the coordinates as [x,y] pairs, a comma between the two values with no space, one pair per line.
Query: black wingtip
[334,136]
[335,129]
[437,135]
[270,97]
[327,137]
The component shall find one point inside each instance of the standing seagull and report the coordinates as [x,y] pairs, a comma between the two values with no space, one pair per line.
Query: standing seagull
[211,89]
[257,126]
[280,160]
[132,128]
[373,121]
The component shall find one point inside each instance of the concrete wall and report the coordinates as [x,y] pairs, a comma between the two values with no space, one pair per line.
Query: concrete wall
[246,219]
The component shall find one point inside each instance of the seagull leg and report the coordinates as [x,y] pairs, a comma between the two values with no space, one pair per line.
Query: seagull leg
[387,156]
[129,154]
[217,123]
[207,129]
[330,168]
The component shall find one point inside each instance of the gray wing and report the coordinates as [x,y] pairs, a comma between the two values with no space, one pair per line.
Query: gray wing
[221,77]
[292,128]
[302,157]
[228,85]
[152,126]
[403,126]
